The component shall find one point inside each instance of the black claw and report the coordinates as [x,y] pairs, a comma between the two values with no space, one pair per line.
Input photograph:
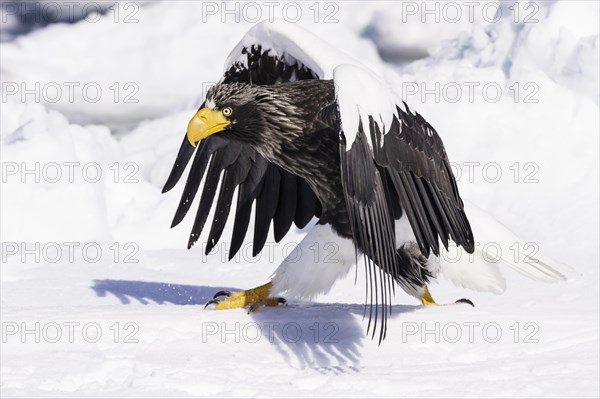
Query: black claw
[465,300]
[211,302]
[252,308]
[222,293]
[281,300]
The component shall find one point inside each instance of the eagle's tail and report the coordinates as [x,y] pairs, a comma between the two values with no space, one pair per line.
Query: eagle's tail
[495,244]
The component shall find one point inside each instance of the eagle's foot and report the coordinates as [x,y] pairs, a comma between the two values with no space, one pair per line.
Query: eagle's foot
[253,299]
[428,300]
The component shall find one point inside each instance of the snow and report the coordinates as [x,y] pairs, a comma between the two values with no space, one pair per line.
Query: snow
[77,250]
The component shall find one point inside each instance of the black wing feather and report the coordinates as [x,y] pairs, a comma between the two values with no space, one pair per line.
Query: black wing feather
[247,193]
[203,154]
[217,164]
[266,206]
[286,209]
[183,157]
[233,176]
[415,162]
[431,198]
[371,223]
[307,205]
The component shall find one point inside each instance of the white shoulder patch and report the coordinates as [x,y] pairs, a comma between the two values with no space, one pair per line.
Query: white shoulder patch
[360,94]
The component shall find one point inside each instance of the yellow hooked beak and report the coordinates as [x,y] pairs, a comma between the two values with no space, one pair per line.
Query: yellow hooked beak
[206,122]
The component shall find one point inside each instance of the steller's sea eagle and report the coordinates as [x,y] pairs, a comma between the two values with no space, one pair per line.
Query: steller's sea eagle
[303,131]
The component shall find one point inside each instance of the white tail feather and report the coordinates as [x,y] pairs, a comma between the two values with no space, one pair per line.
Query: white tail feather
[495,244]
[476,274]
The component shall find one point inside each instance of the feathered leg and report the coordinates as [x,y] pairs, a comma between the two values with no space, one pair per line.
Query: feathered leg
[319,260]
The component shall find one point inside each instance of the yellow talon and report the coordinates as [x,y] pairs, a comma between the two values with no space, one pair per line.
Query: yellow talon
[253,298]
[427,300]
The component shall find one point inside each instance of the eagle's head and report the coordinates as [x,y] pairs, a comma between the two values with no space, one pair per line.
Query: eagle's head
[258,115]
[234,110]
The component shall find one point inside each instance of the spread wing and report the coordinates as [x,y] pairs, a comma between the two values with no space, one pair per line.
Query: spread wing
[407,159]
[393,163]
[281,198]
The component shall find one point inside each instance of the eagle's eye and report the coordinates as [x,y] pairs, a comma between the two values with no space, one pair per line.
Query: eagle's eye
[227,111]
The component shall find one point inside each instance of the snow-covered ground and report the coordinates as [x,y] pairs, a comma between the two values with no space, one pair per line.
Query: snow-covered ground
[100,298]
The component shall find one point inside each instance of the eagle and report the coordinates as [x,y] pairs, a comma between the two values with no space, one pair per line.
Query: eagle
[302,131]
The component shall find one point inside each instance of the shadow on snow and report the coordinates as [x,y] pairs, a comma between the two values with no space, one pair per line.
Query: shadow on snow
[325,337]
